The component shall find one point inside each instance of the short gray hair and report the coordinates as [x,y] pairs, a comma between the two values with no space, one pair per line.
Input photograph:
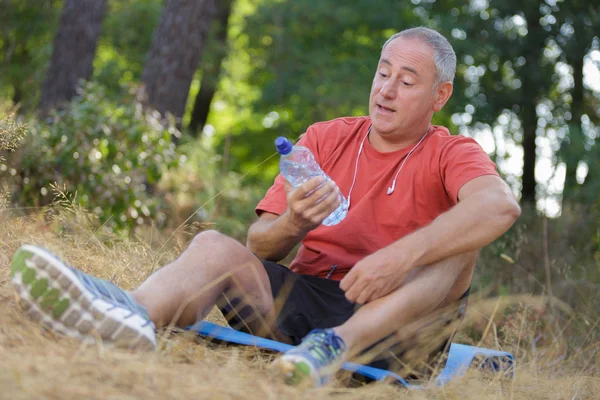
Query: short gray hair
[444,57]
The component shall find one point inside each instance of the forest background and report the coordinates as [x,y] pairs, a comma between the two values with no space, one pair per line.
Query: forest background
[146,121]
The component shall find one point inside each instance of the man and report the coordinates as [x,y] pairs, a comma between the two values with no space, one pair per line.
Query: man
[422,203]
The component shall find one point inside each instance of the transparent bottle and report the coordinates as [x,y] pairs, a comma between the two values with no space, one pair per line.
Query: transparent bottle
[298,165]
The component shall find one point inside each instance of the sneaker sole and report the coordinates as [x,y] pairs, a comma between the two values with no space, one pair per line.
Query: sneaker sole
[53,295]
[297,370]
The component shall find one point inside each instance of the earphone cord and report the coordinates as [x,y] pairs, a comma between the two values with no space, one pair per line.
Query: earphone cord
[356,165]
[393,187]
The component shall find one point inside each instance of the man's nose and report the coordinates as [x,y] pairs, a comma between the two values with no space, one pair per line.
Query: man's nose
[389,88]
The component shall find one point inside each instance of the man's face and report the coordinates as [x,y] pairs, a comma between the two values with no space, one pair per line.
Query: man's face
[402,96]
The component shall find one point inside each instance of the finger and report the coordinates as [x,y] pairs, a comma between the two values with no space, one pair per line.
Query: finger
[322,192]
[317,206]
[308,187]
[348,280]
[287,186]
[326,199]
[297,195]
[327,204]
[354,291]
[364,295]
[352,294]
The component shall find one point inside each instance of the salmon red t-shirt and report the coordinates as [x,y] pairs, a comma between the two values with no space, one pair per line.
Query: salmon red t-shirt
[427,186]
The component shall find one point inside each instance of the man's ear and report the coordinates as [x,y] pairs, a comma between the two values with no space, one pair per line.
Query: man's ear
[442,94]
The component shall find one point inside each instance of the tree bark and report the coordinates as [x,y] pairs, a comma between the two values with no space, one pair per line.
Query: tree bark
[575,149]
[74,49]
[176,50]
[532,87]
[17,95]
[529,124]
[211,69]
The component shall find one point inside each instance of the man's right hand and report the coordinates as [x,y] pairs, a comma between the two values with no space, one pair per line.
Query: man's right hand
[311,203]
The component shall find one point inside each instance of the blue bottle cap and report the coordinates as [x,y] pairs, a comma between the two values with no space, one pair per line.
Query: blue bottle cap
[283,145]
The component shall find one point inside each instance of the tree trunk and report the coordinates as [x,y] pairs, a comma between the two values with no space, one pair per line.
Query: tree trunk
[74,49]
[17,95]
[529,124]
[176,50]
[211,68]
[18,85]
[575,150]
[532,87]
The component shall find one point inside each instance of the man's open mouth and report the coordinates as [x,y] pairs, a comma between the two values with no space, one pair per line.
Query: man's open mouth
[383,108]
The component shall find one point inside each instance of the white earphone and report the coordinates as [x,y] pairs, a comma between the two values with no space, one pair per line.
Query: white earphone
[390,189]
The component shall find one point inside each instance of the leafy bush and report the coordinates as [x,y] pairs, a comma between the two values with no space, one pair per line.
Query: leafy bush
[110,154]
[125,41]
[202,191]
[11,133]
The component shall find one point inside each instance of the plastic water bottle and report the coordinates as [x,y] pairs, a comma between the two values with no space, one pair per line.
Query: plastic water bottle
[298,165]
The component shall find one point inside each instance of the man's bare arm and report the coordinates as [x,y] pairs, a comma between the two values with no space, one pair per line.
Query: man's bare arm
[272,237]
[486,209]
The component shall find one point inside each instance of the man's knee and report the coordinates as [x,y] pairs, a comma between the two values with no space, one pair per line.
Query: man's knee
[211,239]
[218,246]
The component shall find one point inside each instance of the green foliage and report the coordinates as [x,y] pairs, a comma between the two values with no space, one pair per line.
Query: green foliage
[293,63]
[11,133]
[202,191]
[314,60]
[311,61]
[522,62]
[126,38]
[112,155]
[516,260]
[27,29]
[26,32]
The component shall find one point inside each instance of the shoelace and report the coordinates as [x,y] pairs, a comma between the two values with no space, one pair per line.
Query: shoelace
[116,295]
[323,345]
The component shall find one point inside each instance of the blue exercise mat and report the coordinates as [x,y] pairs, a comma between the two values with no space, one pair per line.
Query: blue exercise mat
[459,360]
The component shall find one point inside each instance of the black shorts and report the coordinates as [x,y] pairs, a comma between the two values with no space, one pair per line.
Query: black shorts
[305,302]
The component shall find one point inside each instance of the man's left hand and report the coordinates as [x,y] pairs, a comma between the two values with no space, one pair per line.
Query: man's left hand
[373,277]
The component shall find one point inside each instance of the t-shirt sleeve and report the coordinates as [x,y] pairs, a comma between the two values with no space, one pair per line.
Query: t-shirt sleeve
[462,160]
[275,201]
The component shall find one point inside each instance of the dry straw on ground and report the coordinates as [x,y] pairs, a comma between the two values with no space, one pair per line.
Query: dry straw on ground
[39,364]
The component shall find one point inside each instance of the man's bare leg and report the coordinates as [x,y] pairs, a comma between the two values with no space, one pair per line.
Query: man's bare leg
[186,290]
[76,304]
[430,288]
[426,289]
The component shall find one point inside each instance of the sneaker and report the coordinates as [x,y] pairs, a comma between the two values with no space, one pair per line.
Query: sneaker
[75,304]
[319,356]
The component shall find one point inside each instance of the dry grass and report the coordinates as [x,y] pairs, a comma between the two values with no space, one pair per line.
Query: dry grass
[39,364]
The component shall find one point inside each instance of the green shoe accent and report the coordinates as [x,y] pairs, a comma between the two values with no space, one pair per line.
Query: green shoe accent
[49,299]
[315,359]
[60,307]
[18,261]
[39,288]
[28,276]
[301,372]
[303,369]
